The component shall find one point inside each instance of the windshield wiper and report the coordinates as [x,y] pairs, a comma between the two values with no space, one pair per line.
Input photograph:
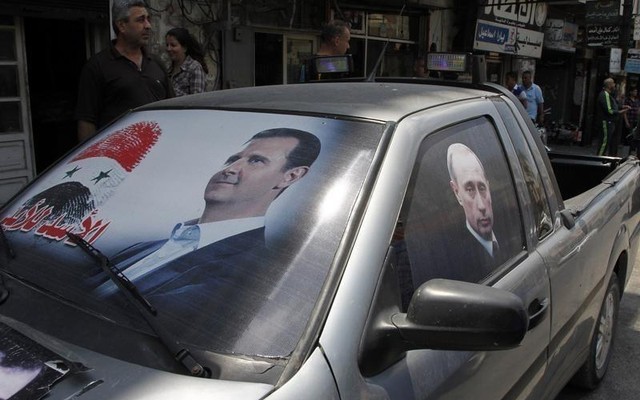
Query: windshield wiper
[149,313]
[6,244]
[114,273]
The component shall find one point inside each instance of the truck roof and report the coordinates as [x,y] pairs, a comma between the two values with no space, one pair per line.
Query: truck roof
[384,101]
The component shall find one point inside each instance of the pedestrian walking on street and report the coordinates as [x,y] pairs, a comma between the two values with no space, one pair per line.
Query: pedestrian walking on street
[607,112]
[123,76]
[188,68]
[511,79]
[535,101]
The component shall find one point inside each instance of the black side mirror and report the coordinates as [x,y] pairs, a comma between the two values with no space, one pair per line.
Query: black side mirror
[442,315]
[453,315]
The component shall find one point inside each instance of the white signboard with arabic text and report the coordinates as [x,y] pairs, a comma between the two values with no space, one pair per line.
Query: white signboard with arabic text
[632,63]
[560,35]
[505,26]
[615,61]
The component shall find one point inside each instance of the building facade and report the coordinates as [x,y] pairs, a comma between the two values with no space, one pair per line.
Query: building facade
[44,44]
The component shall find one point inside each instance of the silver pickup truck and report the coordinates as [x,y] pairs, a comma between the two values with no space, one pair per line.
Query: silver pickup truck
[389,239]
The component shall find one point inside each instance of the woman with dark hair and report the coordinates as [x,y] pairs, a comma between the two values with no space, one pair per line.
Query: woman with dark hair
[188,69]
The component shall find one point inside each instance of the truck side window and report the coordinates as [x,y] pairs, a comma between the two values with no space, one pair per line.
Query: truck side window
[460,219]
[540,209]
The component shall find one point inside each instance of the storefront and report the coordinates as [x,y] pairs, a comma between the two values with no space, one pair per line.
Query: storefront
[561,73]
[253,43]
[42,49]
[268,51]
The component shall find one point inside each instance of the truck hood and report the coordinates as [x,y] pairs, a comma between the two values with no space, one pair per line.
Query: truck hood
[96,376]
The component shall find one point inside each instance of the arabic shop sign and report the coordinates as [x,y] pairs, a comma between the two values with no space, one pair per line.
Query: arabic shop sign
[602,12]
[632,63]
[615,60]
[603,23]
[599,35]
[560,35]
[511,27]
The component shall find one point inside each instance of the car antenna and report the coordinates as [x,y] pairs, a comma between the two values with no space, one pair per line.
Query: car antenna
[372,75]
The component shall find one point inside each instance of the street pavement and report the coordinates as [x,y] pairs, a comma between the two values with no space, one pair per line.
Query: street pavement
[622,381]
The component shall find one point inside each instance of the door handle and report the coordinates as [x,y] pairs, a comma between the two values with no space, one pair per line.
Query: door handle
[537,310]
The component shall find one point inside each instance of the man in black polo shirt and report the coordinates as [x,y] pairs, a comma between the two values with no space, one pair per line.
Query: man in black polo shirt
[123,76]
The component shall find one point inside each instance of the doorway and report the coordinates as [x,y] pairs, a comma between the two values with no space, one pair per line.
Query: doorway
[55,50]
[286,54]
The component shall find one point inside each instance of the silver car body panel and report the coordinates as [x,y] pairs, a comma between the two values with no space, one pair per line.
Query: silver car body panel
[110,378]
[424,372]
[313,380]
[375,100]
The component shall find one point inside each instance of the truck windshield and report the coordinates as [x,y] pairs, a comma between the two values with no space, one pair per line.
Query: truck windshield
[227,222]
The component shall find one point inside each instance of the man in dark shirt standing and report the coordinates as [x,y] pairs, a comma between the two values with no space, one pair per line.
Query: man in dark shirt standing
[123,76]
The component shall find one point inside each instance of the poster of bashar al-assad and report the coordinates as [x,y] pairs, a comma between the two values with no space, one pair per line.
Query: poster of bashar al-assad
[201,211]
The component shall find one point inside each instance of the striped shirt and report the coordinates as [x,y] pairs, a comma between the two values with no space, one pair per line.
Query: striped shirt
[189,79]
[632,114]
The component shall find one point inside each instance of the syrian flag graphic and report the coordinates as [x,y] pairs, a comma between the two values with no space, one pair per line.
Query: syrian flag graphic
[73,198]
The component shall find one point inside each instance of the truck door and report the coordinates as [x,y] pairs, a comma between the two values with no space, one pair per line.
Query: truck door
[576,265]
[465,217]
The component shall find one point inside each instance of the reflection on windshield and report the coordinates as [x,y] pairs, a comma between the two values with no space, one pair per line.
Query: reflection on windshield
[207,254]
[222,229]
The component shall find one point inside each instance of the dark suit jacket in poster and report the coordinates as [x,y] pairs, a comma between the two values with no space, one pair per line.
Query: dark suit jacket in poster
[469,260]
[218,250]
[230,296]
[131,255]
[458,255]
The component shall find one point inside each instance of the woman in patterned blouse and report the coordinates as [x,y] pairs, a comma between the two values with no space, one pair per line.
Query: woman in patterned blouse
[188,69]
